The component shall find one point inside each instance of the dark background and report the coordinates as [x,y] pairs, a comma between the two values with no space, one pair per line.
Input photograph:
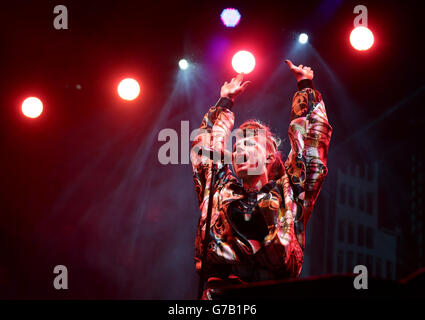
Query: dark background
[82,185]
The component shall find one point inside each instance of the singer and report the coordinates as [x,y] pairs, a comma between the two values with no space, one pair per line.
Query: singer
[258,219]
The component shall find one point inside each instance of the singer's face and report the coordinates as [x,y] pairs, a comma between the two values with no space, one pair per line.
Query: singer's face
[249,157]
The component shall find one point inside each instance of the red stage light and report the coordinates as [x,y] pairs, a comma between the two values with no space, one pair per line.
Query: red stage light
[243,61]
[361,38]
[128,89]
[32,107]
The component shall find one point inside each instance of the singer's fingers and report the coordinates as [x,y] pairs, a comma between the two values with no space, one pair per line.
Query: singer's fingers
[239,78]
[289,63]
[245,84]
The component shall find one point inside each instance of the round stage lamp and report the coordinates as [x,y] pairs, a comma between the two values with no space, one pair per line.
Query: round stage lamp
[32,107]
[183,64]
[243,61]
[361,38]
[303,38]
[128,89]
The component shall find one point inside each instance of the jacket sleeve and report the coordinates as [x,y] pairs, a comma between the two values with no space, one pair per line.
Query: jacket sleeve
[213,133]
[309,134]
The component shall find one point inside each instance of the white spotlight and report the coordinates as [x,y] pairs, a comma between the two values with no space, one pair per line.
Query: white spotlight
[32,107]
[243,61]
[183,64]
[303,38]
[128,89]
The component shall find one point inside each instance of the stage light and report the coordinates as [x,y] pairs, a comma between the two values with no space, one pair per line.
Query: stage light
[230,17]
[32,107]
[243,61]
[361,38]
[303,38]
[128,89]
[183,64]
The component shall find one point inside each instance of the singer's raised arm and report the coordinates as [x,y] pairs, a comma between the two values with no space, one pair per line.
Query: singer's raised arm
[309,133]
[216,126]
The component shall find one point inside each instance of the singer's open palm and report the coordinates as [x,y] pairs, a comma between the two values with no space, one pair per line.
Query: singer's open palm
[234,87]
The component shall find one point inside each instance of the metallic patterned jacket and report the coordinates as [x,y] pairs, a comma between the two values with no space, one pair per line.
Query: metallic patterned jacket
[285,204]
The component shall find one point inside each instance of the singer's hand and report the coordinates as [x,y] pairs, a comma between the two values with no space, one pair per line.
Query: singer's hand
[234,87]
[301,72]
